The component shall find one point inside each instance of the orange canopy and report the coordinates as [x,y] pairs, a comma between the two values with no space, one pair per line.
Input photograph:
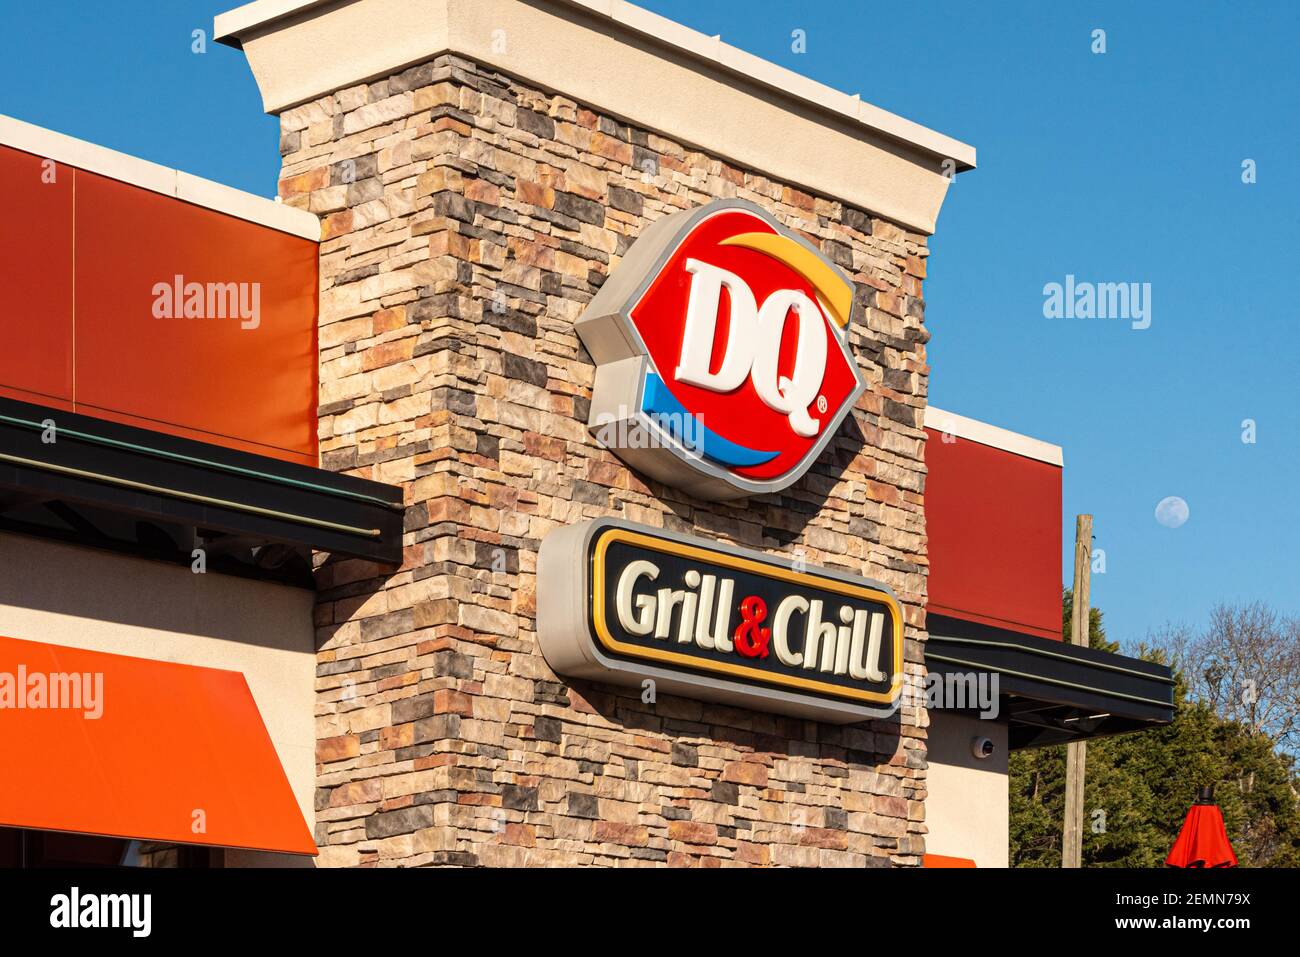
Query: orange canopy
[130,747]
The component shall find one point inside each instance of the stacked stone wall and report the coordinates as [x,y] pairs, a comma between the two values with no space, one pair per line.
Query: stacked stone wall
[468,218]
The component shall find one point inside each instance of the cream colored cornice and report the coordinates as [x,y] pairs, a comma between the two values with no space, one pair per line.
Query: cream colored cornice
[92,158]
[974,430]
[626,61]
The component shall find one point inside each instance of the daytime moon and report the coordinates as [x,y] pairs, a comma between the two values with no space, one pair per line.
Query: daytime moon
[1172,512]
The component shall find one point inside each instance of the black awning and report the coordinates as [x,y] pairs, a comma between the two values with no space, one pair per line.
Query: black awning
[100,483]
[1053,692]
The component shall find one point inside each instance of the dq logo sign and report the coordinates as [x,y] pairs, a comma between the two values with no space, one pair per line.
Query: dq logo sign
[625,603]
[721,344]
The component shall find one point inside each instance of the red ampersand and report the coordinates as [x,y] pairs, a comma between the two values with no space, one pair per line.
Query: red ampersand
[750,639]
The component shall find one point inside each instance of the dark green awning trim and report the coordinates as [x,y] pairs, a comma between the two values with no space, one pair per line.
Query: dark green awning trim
[1047,653]
[1051,681]
[188,496]
[112,485]
[1052,692]
[204,463]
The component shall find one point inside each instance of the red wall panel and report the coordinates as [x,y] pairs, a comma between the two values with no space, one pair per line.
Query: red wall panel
[36,280]
[81,263]
[993,520]
[209,377]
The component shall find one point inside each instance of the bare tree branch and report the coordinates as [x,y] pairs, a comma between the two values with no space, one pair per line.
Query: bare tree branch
[1245,664]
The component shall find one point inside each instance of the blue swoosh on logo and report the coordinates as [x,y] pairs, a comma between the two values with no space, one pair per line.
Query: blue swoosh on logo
[670,415]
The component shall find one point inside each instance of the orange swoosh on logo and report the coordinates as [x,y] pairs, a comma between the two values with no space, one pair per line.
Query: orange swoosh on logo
[834,291]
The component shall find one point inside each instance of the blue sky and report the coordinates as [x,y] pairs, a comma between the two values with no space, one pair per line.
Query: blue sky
[1115,167]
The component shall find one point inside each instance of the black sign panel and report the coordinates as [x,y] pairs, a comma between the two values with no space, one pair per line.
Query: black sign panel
[742,617]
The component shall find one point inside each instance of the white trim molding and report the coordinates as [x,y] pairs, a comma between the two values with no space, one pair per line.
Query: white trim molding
[627,62]
[992,436]
[69,151]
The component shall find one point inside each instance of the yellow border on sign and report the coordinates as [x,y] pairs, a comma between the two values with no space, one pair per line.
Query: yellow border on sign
[670,547]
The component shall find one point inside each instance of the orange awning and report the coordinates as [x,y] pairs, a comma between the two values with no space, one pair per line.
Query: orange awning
[176,754]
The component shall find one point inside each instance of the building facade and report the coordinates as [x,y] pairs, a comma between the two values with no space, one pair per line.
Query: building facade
[478,172]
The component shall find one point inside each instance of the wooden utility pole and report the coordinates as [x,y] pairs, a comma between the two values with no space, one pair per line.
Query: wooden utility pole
[1076,752]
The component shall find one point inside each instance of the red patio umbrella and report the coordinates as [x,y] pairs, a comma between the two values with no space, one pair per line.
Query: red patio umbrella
[1203,841]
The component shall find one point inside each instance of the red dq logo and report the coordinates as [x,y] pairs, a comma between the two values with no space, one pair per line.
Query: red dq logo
[721,345]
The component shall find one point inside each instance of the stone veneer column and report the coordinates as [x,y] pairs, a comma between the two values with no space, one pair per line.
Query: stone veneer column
[467,219]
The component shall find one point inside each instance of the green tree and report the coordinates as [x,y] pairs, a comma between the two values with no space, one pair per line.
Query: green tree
[1138,787]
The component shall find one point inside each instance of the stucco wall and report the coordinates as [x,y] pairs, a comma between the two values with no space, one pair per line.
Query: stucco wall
[468,217]
[966,806]
[85,598]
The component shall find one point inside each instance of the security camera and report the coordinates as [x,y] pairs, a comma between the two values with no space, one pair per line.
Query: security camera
[982,748]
